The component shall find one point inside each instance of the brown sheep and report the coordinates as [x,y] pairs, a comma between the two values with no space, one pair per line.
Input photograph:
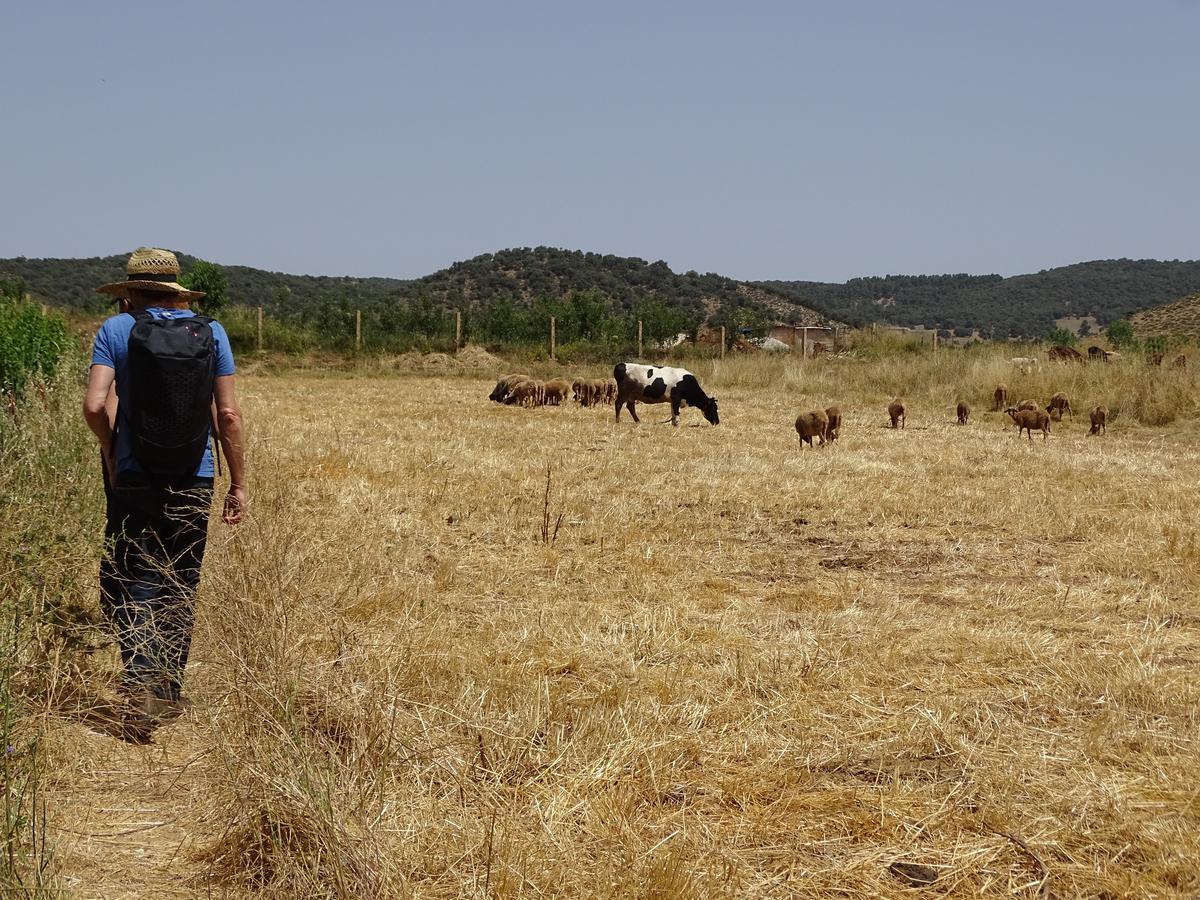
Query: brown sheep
[811,425]
[1029,419]
[1099,420]
[610,390]
[504,385]
[964,412]
[557,391]
[1001,397]
[834,414]
[1180,362]
[577,390]
[1028,404]
[526,393]
[897,412]
[1060,404]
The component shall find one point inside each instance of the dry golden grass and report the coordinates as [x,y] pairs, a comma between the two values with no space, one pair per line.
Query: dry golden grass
[710,663]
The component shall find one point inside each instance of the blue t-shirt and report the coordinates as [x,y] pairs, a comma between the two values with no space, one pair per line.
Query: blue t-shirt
[112,349]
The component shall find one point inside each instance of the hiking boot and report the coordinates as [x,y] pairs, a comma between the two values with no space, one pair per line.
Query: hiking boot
[146,711]
[175,708]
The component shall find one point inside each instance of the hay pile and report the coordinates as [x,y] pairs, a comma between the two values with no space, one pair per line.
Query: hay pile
[469,359]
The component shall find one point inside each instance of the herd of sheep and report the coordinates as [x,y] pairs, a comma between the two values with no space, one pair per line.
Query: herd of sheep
[823,425]
[522,390]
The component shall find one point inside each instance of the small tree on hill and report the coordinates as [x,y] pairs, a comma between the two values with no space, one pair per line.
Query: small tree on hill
[1120,335]
[210,278]
[1063,337]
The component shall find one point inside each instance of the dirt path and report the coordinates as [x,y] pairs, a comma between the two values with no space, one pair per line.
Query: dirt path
[123,818]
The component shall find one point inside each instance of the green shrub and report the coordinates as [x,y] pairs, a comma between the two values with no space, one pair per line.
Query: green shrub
[31,343]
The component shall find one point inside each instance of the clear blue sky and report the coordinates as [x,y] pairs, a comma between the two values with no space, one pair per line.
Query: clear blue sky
[759,140]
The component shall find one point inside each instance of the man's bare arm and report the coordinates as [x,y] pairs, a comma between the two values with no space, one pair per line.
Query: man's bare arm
[96,411]
[232,437]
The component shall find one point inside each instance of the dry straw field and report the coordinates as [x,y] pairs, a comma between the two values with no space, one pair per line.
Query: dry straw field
[462,649]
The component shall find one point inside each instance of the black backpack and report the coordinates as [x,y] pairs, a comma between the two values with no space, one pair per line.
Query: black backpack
[172,366]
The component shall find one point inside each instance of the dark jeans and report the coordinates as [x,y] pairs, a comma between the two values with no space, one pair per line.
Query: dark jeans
[155,533]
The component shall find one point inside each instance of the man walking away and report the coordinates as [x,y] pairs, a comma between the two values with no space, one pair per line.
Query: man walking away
[169,367]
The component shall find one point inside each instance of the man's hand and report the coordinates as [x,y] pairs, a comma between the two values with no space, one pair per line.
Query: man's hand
[235,505]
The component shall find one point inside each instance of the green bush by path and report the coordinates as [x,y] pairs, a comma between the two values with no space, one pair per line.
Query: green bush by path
[31,343]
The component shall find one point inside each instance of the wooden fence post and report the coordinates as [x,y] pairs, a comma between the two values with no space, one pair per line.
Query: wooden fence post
[722,342]
[260,329]
[552,337]
[935,343]
[804,342]
[357,330]
[639,338]
[457,330]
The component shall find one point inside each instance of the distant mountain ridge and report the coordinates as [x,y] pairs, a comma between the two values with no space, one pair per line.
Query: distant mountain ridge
[1018,306]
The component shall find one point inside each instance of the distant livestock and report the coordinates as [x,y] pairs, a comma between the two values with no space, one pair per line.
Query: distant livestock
[660,384]
[1000,396]
[1061,353]
[811,425]
[964,412]
[1180,362]
[557,391]
[1099,420]
[1028,404]
[1029,419]
[897,413]
[1155,359]
[834,415]
[526,393]
[504,385]
[1026,364]
[1060,404]
[590,392]
[1095,353]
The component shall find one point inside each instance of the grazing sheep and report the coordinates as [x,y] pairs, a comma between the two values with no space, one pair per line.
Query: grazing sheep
[526,393]
[1155,359]
[1028,404]
[811,425]
[610,390]
[1026,364]
[1000,397]
[1064,354]
[1095,353]
[1029,419]
[1060,404]
[504,385]
[577,388]
[1180,362]
[897,412]
[834,414]
[556,391]
[1099,420]
[964,412]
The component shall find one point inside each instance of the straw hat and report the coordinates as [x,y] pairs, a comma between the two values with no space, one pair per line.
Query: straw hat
[150,269]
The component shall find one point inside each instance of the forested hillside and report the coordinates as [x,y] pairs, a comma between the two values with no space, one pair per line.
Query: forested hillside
[1019,306]
[504,297]
[509,295]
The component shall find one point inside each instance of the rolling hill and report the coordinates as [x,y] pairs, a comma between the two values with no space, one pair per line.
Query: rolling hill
[1018,306]
[522,276]
[1181,318]
[537,281]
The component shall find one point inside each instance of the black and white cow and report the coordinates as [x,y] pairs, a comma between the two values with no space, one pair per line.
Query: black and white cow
[661,384]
